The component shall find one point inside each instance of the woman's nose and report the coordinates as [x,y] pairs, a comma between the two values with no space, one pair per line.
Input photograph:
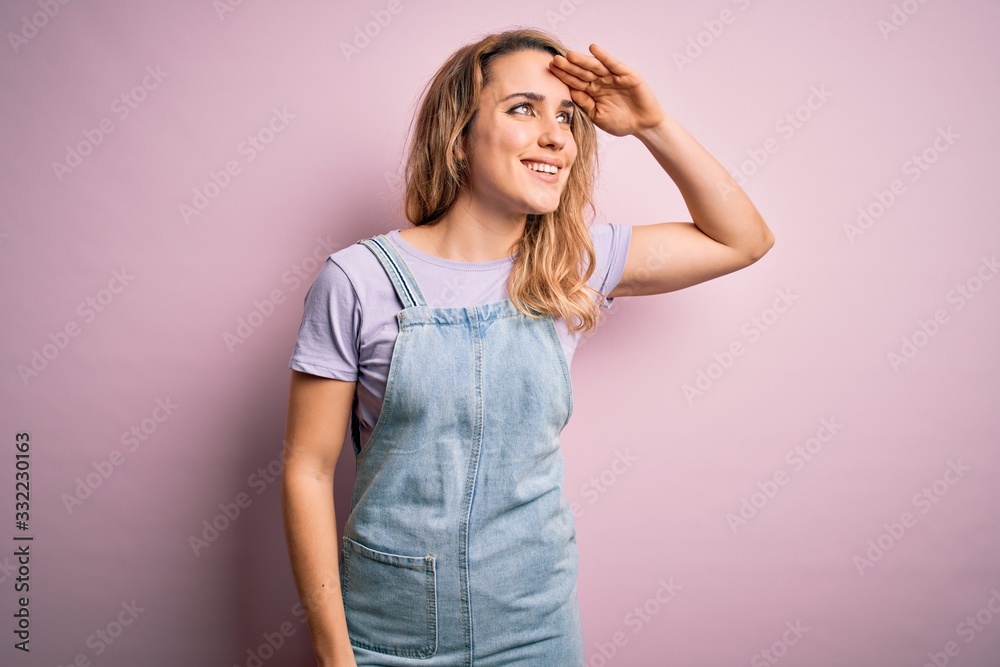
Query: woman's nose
[552,135]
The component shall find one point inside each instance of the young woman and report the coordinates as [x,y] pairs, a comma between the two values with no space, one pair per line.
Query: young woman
[446,347]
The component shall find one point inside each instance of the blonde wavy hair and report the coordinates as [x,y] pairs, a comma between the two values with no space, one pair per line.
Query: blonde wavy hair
[548,277]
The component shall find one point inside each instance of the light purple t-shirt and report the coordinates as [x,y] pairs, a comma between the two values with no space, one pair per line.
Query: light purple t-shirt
[349,325]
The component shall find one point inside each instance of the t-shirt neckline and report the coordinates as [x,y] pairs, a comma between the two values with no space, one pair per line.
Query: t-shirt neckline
[490,265]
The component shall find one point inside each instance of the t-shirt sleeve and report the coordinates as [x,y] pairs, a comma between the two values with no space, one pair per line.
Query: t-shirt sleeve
[611,242]
[327,344]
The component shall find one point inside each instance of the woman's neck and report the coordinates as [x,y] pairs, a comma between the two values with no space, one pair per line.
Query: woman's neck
[461,236]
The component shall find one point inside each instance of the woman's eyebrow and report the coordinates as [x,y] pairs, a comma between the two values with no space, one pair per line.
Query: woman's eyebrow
[538,98]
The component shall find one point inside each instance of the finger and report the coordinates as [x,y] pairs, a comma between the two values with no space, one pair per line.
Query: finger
[576,71]
[587,62]
[584,101]
[613,64]
[569,79]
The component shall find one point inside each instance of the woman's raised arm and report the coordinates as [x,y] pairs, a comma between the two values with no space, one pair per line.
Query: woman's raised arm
[727,232]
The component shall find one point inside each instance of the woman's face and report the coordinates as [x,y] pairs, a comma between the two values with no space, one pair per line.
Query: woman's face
[512,130]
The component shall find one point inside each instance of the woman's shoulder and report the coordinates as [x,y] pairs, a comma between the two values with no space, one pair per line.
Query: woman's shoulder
[352,273]
[611,243]
[607,233]
[356,259]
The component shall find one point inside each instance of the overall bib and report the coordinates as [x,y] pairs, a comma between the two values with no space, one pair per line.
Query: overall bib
[460,548]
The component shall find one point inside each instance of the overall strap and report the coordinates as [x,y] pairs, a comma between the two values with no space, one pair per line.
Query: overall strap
[402,279]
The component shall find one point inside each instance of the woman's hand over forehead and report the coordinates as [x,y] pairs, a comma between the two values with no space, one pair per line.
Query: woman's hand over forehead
[615,97]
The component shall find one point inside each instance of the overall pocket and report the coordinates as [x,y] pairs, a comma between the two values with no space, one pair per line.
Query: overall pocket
[390,601]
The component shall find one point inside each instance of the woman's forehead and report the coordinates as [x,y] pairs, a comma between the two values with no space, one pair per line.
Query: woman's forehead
[525,72]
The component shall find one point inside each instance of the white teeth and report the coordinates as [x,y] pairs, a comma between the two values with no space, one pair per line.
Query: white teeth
[538,166]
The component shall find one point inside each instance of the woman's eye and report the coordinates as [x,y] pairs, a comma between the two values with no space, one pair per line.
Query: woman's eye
[568,116]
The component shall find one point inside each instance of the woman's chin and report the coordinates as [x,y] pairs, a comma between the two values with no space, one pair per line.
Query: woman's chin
[542,204]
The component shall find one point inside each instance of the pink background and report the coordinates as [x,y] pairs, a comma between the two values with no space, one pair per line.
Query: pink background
[664,513]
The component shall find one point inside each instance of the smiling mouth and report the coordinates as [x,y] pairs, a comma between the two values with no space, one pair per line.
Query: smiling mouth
[542,171]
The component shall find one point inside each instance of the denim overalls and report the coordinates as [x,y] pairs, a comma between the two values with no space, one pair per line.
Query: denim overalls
[460,548]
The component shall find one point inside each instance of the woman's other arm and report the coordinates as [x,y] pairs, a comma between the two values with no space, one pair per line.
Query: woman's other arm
[318,413]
